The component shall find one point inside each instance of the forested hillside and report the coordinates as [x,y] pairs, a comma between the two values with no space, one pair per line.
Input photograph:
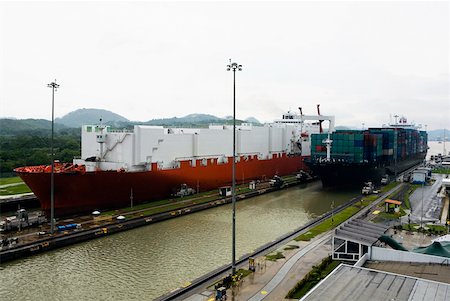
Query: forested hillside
[28,142]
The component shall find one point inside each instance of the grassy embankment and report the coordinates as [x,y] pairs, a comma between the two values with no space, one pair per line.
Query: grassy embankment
[18,188]
[342,216]
[445,171]
[431,229]
[275,257]
[332,222]
[312,278]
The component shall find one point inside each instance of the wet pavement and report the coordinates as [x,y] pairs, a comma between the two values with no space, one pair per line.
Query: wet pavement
[426,204]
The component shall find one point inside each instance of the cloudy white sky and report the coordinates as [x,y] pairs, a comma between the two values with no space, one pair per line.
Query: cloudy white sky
[144,60]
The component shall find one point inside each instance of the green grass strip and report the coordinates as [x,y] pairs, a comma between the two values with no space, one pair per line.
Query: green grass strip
[329,223]
[445,171]
[243,273]
[389,186]
[275,257]
[433,229]
[312,278]
[406,202]
[4,181]
[16,189]
[291,247]
[174,203]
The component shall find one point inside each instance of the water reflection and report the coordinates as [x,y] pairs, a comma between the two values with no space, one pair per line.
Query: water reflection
[146,262]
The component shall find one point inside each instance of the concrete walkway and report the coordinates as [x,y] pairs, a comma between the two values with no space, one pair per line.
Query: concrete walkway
[425,203]
[285,275]
[445,210]
[273,280]
[278,278]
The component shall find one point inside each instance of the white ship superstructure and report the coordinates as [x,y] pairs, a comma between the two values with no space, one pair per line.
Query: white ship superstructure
[136,150]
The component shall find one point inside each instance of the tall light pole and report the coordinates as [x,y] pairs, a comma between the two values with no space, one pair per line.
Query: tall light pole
[395,147]
[233,67]
[54,86]
[421,212]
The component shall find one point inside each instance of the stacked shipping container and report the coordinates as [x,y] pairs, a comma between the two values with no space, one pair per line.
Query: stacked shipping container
[375,145]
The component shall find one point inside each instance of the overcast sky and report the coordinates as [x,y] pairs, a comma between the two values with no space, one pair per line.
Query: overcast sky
[145,60]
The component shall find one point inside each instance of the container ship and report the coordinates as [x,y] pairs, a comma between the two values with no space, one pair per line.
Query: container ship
[120,167]
[352,157]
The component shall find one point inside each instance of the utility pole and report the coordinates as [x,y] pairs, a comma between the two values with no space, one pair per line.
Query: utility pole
[54,86]
[233,67]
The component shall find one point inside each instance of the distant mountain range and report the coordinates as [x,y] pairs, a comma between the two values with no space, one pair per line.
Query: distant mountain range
[72,120]
[438,135]
[92,116]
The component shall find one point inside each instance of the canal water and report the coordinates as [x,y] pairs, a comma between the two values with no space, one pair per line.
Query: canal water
[434,148]
[144,263]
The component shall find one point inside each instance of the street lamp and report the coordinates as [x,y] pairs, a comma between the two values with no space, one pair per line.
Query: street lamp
[233,67]
[395,147]
[54,86]
[421,212]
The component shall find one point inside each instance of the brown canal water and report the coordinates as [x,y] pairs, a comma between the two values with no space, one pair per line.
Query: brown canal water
[147,262]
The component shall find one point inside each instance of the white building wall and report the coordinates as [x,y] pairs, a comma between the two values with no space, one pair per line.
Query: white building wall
[125,149]
[150,144]
[89,145]
[383,254]
[419,176]
[253,141]
[174,147]
[146,140]
[291,132]
[215,142]
[276,139]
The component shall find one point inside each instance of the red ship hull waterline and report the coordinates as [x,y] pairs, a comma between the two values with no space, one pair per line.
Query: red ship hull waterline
[78,192]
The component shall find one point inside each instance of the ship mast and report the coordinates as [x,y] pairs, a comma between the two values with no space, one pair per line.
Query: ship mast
[101,139]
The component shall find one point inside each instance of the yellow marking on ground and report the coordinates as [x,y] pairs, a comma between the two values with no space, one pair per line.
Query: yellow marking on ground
[186,284]
[263,292]
[376,212]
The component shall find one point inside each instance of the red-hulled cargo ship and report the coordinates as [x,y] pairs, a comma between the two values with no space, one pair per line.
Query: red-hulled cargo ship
[150,162]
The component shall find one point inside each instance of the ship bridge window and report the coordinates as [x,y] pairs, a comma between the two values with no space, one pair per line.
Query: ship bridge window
[89,129]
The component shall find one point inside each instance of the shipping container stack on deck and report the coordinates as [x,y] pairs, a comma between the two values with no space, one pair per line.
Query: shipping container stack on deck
[383,149]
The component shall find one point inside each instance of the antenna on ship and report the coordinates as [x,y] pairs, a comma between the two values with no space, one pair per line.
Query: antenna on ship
[54,87]
[395,116]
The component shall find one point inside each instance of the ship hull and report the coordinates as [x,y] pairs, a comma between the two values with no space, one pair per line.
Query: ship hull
[341,174]
[76,193]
